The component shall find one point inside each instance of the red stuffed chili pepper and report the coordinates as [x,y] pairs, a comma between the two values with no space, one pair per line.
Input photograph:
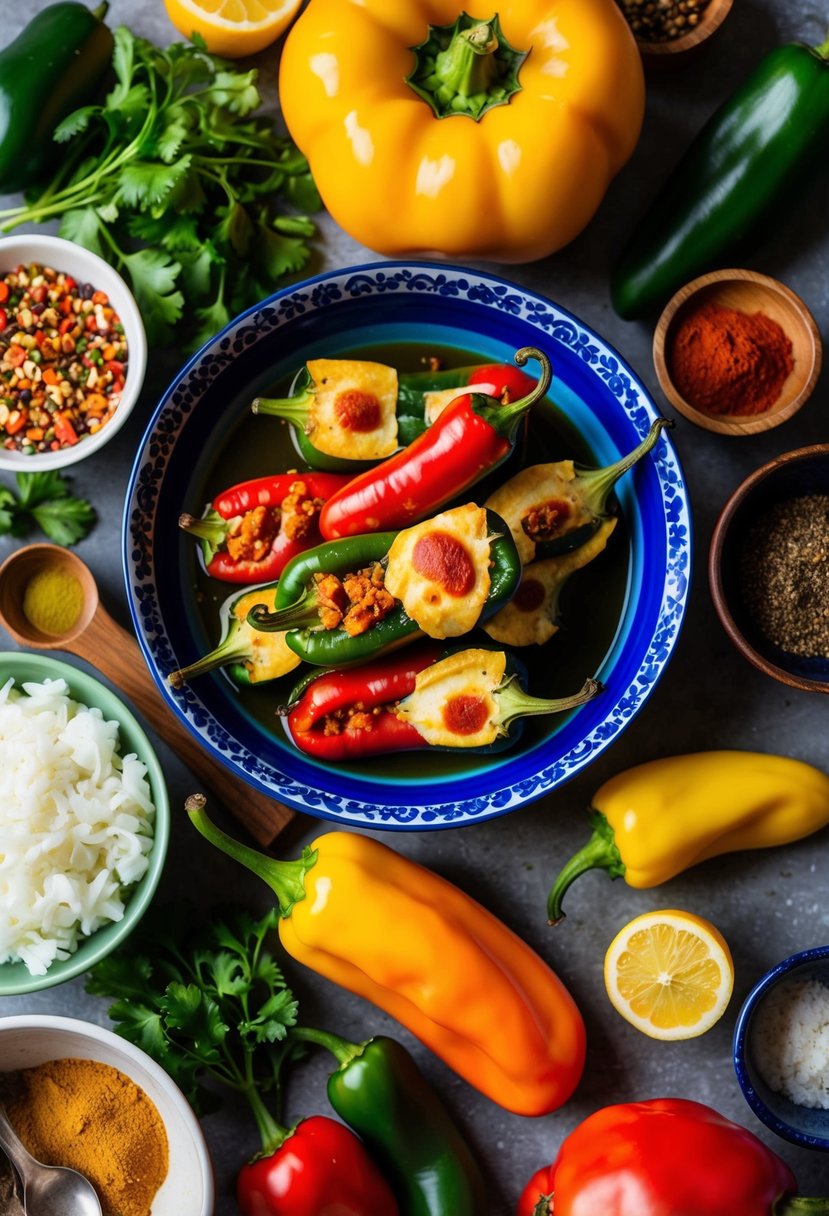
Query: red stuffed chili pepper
[426,697]
[320,1168]
[473,435]
[253,529]
[665,1157]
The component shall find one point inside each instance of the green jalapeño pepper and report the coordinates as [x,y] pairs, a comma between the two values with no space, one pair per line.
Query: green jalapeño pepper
[350,600]
[347,414]
[251,657]
[380,1092]
[555,508]
[759,149]
[424,697]
[54,66]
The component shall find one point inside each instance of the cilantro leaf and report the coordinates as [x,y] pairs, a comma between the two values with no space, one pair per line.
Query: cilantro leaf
[64,520]
[74,123]
[154,274]
[147,183]
[211,1006]
[83,226]
[45,500]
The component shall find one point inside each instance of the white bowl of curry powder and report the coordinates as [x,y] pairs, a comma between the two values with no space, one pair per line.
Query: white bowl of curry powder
[80,1095]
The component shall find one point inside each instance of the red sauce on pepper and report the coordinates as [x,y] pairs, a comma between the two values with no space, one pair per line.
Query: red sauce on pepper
[465,714]
[442,559]
[529,596]
[357,411]
[546,520]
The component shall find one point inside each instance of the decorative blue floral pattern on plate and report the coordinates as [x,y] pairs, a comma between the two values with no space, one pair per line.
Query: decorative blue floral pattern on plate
[364,300]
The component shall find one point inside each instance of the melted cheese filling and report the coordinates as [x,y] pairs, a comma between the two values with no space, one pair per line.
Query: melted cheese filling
[439,570]
[270,656]
[436,400]
[453,703]
[530,490]
[353,412]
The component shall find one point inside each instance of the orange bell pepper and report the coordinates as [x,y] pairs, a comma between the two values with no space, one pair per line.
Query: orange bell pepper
[395,933]
[430,131]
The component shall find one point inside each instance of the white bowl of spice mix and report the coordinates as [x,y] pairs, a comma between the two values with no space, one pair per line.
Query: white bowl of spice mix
[781,1048]
[768,568]
[80,1095]
[73,353]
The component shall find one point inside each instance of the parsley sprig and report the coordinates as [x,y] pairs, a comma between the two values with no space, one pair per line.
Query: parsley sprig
[206,1003]
[175,182]
[45,500]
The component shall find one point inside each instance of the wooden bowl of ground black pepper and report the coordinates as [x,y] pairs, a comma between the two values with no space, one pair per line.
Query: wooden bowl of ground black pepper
[768,568]
[737,352]
[664,28]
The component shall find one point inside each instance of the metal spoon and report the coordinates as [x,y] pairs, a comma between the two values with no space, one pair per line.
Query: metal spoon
[48,1190]
[101,641]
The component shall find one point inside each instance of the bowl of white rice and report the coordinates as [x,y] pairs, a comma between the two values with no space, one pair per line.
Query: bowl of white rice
[781,1048]
[84,822]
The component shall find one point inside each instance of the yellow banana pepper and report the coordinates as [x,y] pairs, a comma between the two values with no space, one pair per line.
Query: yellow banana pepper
[430,131]
[653,821]
[395,933]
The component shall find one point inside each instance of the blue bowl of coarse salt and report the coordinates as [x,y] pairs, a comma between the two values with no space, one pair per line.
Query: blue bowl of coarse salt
[781,1048]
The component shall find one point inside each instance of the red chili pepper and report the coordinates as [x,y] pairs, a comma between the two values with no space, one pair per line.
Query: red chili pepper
[371,688]
[471,436]
[64,431]
[234,504]
[535,1197]
[506,380]
[319,1169]
[671,1157]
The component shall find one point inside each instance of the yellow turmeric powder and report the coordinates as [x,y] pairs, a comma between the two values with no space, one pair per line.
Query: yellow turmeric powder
[93,1118]
[53,600]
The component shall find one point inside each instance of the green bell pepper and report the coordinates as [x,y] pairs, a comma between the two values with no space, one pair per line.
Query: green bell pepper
[53,66]
[297,602]
[379,1091]
[759,148]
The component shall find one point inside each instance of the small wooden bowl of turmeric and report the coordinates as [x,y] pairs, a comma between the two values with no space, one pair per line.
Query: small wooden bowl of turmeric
[737,352]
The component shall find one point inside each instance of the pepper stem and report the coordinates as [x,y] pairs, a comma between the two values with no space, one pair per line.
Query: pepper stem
[101,11]
[234,649]
[822,51]
[211,528]
[302,614]
[466,68]
[600,853]
[514,703]
[598,483]
[272,1134]
[285,878]
[504,418]
[801,1205]
[293,409]
[341,1049]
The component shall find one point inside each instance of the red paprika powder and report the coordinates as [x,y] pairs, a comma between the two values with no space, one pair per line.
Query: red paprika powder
[724,361]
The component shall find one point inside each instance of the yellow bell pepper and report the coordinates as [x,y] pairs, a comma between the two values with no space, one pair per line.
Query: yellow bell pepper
[395,933]
[653,821]
[428,131]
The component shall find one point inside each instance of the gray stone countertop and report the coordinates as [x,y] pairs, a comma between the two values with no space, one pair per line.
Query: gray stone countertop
[767,905]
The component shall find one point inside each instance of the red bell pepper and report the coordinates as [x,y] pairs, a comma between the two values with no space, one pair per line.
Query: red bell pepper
[320,1168]
[253,529]
[665,1157]
[469,438]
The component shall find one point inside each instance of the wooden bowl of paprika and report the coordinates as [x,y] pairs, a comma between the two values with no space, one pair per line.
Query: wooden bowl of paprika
[737,352]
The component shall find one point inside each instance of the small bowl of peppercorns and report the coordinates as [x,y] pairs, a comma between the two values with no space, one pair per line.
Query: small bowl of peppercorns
[663,28]
[72,353]
[768,568]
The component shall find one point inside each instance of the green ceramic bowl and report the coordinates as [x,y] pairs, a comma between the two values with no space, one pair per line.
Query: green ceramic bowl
[22,667]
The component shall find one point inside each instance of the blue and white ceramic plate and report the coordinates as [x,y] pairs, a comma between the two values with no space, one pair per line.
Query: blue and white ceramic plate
[354,310]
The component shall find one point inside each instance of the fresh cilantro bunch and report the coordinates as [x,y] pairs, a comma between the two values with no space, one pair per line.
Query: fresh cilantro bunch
[44,500]
[206,1002]
[175,182]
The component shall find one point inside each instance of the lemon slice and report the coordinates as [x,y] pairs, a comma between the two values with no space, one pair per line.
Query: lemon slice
[670,974]
[232,28]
